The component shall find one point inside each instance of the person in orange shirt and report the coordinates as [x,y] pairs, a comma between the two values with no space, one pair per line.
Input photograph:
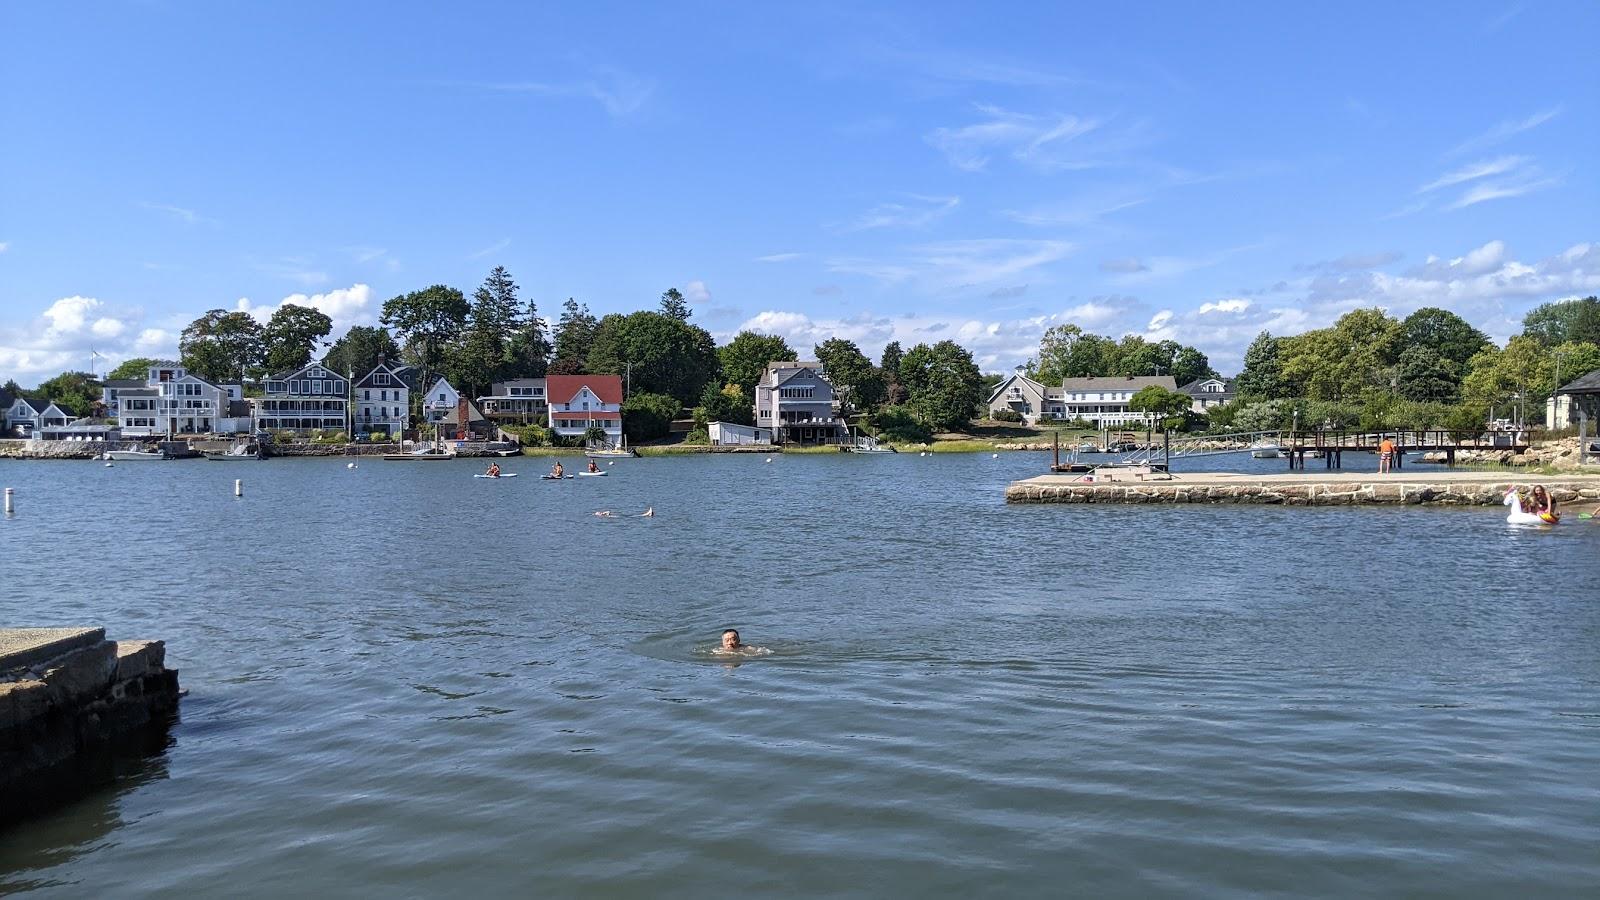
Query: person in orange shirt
[1385,454]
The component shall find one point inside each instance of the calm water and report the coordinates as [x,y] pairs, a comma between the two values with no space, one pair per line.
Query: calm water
[406,682]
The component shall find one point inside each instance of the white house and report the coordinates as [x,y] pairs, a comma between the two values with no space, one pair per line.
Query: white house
[29,416]
[1033,400]
[1103,399]
[381,402]
[1208,393]
[520,400]
[173,400]
[439,402]
[581,402]
[311,398]
[730,434]
[795,400]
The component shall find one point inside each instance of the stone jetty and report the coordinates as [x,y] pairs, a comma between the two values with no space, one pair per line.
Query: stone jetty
[1296,489]
[71,702]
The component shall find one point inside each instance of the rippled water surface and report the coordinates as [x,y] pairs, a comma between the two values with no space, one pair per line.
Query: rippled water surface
[404,681]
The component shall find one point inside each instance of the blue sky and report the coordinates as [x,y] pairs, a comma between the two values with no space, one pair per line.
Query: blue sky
[910,172]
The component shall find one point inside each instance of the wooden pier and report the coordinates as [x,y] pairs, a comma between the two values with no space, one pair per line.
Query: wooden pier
[1332,445]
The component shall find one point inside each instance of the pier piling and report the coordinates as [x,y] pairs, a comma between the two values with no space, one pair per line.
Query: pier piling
[9,504]
[238,487]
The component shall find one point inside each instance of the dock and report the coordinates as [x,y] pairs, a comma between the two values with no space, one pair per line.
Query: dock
[71,703]
[1143,484]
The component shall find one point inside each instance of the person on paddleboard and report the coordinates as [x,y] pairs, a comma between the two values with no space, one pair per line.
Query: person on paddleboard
[557,471]
[494,470]
[592,466]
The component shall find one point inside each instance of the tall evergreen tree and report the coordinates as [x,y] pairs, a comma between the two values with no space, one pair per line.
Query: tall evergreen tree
[575,332]
[1262,376]
[673,306]
[482,355]
[894,392]
[360,350]
[530,347]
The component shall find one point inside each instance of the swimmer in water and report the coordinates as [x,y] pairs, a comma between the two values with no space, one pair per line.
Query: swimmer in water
[730,641]
[604,514]
[649,513]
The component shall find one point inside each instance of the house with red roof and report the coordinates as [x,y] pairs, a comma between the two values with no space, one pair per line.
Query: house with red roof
[581,402]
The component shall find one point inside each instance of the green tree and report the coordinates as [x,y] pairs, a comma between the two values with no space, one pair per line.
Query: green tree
[1445,333]
[1509,374]
[1342,362]
[858,384]
[1189,364]
[292,334]
[744,358]
[656,353]
[889,364]
[529,349]
[1565,321]
[360,350]
[1262,376]
[1169,408]
[647,416]
[427,321]
[575,332]
[725,403]
[673,306]
[136,369]
[942,383]
[481,355]
[1422,374]
[1067,351]
[221,346]
[77,392]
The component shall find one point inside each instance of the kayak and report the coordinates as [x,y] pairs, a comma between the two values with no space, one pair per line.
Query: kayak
[501,475]
[554,477]
[601,472]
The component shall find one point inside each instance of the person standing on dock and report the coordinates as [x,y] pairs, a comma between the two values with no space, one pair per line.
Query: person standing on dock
[1385,454]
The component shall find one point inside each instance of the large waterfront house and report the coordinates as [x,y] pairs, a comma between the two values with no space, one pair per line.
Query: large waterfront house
[381,402]
[171,400]
[581,402]
[1208,393]
[796,401]
[518,401]
[29,417]
[1033,400]
[311,398]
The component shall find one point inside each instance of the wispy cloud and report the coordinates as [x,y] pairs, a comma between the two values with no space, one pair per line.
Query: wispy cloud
[1082,212]
[1499,190]
[496,247]
[188,216]
[1474,171]
[948,264]
[1499,22]
[1046,142]
[780,257]
[4,246]
[1505,131]
[917,212]
[1124,266]
[619,93]
[294,268]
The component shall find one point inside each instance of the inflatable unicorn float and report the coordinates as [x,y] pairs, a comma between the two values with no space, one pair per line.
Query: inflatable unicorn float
[1522,511]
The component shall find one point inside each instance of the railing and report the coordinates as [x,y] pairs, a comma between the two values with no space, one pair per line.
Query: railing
[1406,439]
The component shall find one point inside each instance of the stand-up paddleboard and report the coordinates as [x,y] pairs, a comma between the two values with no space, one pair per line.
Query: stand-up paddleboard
[601,472]
[501,475]
[553,477]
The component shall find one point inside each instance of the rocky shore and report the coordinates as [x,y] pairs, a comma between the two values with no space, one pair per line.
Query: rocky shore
[1438,489]
[1561,454]
[71,703]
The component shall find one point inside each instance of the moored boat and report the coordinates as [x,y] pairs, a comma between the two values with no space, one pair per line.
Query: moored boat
[131,455]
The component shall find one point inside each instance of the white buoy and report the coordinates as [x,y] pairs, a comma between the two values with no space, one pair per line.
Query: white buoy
[238,487]
[612,463]
[9,505]
[769,459]
[110,465]
[996,456]
[349,465]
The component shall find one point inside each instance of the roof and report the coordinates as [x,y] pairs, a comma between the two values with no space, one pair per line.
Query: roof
[1587,384]
[605,415]
[123,383]
[34,403]
[393,371]
[1193,387]
[1118,383]
[1015,376]
[292,373]
[139,392]
[564,387]
[453,417]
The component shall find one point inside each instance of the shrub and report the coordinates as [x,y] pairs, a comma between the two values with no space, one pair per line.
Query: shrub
[898,425]
[1005,415]
[697,436]
[646,417]
[530,435]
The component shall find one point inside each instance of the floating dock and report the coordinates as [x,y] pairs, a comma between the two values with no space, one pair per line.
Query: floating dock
[1146,485]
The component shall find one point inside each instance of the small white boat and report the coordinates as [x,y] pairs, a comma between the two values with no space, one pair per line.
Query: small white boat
[1265,450]
[131,455]
[501,475]
[236,453]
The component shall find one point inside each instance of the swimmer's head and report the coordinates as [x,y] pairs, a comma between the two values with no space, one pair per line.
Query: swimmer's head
[730,639]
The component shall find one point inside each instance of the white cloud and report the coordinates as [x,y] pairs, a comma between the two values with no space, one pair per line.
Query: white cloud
[63,336]
[156,341]
[67,316]
[918,212]
[4,246]
[1235,305]
[1505,131]
[1500,190]
[1048,142]
[779,257]
[188,216]
[1476,170]
[346,306]
[496,247]
[1160,319]
[946,264]
[696,293]
[619,93]
[107,328]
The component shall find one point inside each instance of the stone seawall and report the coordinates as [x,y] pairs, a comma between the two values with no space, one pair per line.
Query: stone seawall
[1306,492]
[13,449]
[71,703]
